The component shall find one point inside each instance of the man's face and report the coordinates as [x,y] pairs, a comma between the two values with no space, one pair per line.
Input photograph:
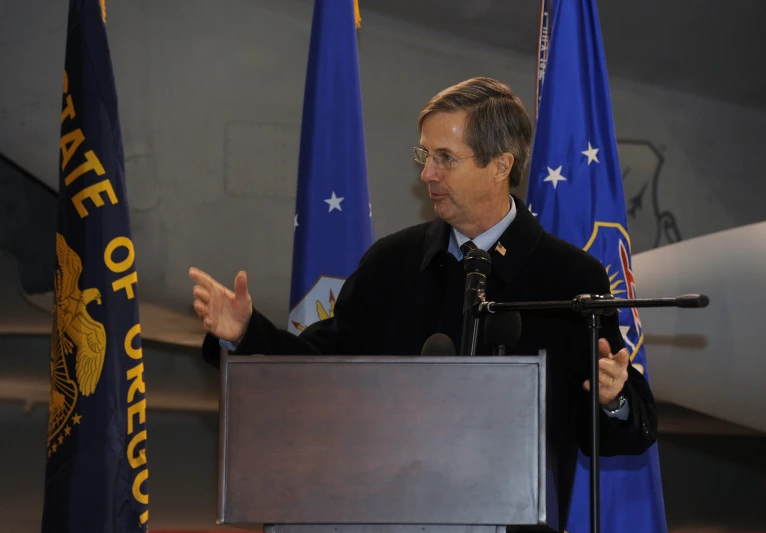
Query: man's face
[461,193]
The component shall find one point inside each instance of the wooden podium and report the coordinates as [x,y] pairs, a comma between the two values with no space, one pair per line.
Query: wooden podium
[385,444]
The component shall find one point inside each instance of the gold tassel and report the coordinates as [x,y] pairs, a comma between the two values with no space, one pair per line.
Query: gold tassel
[357,15]
[103,10]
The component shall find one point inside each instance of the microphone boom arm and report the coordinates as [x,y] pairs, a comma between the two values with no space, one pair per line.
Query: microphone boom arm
[593,306]
[600,303]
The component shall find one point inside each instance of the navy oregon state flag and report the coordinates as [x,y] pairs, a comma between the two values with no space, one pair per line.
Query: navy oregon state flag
[333,218]
[575,190]
[96,472]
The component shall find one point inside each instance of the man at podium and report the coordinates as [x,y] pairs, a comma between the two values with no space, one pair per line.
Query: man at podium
[474,145]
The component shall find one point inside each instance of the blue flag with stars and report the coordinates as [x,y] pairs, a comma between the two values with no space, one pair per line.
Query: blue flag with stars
[575,189]
[96,475]
[333,220]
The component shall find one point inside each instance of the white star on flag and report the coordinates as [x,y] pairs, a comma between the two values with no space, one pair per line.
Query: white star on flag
[592,154]
[334,202]
[296,221]
[530,210]
[554,176]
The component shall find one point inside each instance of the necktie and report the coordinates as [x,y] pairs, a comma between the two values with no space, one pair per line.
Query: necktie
[467,247]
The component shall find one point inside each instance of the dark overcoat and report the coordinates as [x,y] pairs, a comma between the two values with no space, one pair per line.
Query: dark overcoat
[408,287]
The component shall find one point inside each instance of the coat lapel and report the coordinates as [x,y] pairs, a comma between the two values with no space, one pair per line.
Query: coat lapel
[435,242]
[515,246]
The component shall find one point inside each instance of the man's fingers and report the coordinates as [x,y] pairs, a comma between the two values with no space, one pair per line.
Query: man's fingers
[201,308]
[610,366]
[586,386]
[201,293]
[604,350]
[605,379]
[622,357]
[605,353]
[203,278]
[240,284]
[605,394]
[615,367]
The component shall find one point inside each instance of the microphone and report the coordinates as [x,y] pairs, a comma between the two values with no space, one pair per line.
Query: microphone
[502,331]
[477,265]
[438,344]
[692,300]
[607,303]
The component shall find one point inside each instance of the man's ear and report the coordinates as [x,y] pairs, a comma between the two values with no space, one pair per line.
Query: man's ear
[503,165]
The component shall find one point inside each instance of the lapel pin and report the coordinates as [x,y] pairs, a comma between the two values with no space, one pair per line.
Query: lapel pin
[500,248]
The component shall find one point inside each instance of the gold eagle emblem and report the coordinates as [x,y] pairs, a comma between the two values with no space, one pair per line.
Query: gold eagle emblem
[321,312]
[74,330]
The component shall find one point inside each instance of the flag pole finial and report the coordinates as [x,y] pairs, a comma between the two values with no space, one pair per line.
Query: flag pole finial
[357,15]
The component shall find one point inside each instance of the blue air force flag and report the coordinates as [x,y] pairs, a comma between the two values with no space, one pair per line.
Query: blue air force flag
[96,473]
[333,220]
[575,190]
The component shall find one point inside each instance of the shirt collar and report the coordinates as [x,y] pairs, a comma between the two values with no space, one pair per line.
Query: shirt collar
[486,240]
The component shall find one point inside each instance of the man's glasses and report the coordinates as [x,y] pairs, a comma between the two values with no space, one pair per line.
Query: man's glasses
[440,159]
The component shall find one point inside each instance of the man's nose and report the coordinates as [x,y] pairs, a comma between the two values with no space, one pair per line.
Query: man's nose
[430,172]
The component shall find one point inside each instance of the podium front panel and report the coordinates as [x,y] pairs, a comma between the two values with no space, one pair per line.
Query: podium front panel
[382,440]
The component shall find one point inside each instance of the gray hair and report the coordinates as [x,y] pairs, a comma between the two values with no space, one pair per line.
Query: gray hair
[496,121]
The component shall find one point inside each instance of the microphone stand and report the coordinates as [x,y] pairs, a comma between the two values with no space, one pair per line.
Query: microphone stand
[593,305]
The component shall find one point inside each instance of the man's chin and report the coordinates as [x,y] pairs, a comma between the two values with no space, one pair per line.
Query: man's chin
[443,211]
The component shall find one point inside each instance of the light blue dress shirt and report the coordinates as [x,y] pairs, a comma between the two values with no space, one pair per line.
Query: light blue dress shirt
[486,240]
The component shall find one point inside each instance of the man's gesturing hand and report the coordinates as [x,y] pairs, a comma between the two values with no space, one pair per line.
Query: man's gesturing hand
[612,375]
[224,313]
